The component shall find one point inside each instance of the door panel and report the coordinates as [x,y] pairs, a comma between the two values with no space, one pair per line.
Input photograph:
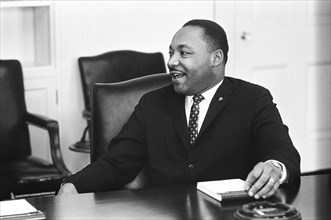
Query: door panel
[285,46]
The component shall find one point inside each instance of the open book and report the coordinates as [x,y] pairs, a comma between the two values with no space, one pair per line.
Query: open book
[19,209]
[224,189]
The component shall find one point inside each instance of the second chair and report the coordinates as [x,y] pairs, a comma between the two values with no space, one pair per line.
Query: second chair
[111,67]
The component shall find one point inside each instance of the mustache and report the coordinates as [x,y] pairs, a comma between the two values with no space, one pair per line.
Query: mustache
[172,69]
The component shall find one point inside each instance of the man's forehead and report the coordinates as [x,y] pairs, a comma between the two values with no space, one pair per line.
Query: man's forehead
[180,46]
[186,37]
[189,32]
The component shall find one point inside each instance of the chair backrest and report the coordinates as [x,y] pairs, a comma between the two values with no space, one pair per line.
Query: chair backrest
[14,134]
[113,104]
[117,66]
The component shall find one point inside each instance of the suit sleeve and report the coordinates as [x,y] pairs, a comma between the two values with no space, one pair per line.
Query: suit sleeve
[271,136]
[120,164]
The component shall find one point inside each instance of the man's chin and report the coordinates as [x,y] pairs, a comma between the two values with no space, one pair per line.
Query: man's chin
[180,89]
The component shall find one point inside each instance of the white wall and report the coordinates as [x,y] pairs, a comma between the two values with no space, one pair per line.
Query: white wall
[87,28]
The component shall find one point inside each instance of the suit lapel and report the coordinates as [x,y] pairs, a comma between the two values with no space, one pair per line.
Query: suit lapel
[217,104]
[177,111]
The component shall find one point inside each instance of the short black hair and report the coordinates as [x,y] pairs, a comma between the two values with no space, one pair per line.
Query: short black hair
[214,35]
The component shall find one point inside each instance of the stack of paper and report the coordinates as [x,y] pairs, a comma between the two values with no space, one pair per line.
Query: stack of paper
[224,189]
[19,209]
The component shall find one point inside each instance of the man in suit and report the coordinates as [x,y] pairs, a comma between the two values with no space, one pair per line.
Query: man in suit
[204,126]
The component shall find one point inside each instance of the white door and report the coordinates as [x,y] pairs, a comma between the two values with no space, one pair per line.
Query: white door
[285,46]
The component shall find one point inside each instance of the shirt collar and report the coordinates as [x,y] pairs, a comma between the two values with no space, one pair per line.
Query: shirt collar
[208,95]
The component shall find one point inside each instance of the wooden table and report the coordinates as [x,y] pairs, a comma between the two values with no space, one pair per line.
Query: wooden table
[311,197]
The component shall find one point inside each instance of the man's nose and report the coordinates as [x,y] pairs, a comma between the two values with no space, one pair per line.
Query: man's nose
[173,61]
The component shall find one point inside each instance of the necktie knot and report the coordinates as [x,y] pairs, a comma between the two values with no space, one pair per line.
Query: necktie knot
[197,98]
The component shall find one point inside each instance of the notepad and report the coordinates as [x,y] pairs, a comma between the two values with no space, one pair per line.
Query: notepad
[224,189]
[19,209]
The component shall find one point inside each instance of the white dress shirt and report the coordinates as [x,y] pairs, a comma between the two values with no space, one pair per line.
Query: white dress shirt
[203,105]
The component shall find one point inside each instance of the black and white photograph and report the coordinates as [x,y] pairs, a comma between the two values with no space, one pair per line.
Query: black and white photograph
[165,109]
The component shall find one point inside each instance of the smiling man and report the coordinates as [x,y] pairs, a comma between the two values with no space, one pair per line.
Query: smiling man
[203,127]
[197,60]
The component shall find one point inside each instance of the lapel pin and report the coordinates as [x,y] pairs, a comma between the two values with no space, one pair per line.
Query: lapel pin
[220,99]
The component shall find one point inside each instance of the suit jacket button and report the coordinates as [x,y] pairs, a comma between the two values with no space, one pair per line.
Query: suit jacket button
[191,166]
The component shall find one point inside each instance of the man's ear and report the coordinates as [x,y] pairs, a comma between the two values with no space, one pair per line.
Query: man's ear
[218,57]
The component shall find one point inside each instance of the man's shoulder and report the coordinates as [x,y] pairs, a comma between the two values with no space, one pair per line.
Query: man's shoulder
[243,85]
[163,93]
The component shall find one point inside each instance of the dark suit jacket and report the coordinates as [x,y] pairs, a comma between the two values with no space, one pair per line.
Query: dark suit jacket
[242,127]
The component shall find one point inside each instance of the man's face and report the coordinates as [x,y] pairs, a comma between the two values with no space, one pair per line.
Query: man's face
[190,62]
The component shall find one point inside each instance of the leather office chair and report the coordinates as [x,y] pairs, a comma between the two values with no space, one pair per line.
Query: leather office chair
[114,66]
[21,174]
[112,104]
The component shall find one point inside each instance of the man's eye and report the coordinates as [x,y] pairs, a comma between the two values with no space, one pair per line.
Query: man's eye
[184,53]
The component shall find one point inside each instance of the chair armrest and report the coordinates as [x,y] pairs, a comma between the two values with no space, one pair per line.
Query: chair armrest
[87,114]
[52,127]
